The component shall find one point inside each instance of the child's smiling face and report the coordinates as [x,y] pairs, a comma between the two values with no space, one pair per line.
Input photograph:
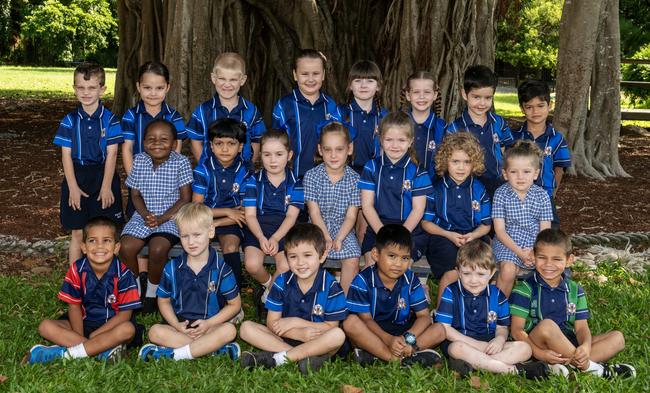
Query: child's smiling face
[421,94]
[100,246]
[152,88]
[88,92]
[158,142]
[550,262]
[309,75]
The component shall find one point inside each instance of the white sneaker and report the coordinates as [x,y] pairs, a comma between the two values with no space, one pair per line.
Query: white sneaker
[265,295]
[237,319]
[559,369]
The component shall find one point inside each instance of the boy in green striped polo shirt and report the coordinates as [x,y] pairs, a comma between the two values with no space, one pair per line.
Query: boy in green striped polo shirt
[549,311]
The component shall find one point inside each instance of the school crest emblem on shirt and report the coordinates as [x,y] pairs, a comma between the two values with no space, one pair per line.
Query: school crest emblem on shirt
[318,310]
[287,199]
[328,116]
[401,303]
[103,132]
[431,146]
[547,151]
[212,287]
[406,186]
[495,137]
[235,187]
[571,308]
[492,317]
[475,205]
[111,299]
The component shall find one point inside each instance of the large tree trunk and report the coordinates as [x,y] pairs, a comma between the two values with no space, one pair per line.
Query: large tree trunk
[402,36]
[588,107]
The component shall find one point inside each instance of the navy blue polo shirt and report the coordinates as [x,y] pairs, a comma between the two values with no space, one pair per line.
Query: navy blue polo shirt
[428,137]
[458,207]
[220,186]
[493,136]
[471,314]
[556,154]
[136,119]
[394,186]
[212,110]
[366,128]
[194,296]
[369,295]
[259,192]
[88,135]
[300,118]
[324,301]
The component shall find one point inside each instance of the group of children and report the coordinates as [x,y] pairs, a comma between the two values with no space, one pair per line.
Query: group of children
[392,187]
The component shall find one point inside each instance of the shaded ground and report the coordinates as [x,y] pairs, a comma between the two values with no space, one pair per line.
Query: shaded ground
[31,174]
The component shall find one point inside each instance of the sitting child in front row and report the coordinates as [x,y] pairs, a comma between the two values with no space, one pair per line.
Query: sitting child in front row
[195,323]
[549,312]
[305,307]
[389,315]
[102,294]
[476,316]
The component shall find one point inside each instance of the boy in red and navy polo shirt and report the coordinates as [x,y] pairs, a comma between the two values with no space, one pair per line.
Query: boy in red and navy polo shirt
[101,293]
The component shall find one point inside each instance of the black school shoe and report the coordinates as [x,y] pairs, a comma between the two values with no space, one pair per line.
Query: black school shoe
[150,305]
[257,359]
[313,363]
[260,310]
[533,370]
[460,366]
[426,358]
[621,370]
[144,279]
[364,358]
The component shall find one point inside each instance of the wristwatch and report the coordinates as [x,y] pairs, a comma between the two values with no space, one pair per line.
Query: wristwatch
[410,339]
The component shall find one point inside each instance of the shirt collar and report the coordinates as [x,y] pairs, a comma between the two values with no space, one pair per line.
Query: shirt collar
[164,108]
[317,286]
[467,119]
[449,182]
[375,280]
[210,265]
[216,103]
[113,268]
[99,112]
[216,164]
[562,286]
[402,163]
[289,178]
[549,131]
[354,107]
[429,120]
[465,293]
[297,95]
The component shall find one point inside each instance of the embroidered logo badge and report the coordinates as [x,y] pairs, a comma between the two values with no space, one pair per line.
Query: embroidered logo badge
[328,116]
[475,205]
[235,187]
[431,146]
[492,317]
[318,310]
[571,308]
[495,137]
[401,303]
[212,287]
[287,199]
[547,151]
[103,133]
[406,186]
[111,299]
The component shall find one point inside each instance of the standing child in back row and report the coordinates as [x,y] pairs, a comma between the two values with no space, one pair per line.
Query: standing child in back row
[301,112]
[535,102]
[88,137]
[492,131]
[228,76]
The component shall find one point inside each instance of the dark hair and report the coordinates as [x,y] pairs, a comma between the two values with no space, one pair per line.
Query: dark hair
[477,77]
[227,128]
[153,67]
[273,134]
[524,148]
[305,233]
[99,221]
[309,54]
[554,237]
[437,103]
[160,123]
[476,253]
[393,234]
[88,70]
[399,119]
[331,128]
[366,69]
[533,88]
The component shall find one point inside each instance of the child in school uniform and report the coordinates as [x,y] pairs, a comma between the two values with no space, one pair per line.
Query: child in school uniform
[89,138]
[305,307]
[160,181]
[422,93]
[301,112]
[333,199]
[218,180]
[272,200]
[196,322]
[228,76]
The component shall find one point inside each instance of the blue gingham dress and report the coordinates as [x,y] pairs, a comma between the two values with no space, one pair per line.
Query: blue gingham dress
[333,201]
[160,189]
[522,218]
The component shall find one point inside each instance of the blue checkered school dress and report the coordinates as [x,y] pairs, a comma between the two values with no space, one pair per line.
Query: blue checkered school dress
[160,189]
[522,218]
[333,201]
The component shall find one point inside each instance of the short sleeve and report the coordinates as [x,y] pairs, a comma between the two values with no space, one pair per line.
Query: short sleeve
[257,127]
[133,179]
[355,193]
[499,205]
[195,127]
[335,309]
[582,310]
[546,211]
[179,124]
[486,208]
[65,132]
[184,172]
[279,118]
[297,195]
[71,289]
[430,208]
[128,125]
[367,180]
[503,310]
[506,135]
[520,300]
[311,185]
[228,286]
[127,291]
[249,197]
[201,180]
[445,312]
[165,286]
[421,184]
[562,155]
[113,131]
[275,301]
[417,297]
[358,299]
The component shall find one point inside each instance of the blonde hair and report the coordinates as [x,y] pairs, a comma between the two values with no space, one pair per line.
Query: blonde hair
[476,254]
[229,61]
[402,120]
[460,141]
[525,149]
[426,75]
[194,213]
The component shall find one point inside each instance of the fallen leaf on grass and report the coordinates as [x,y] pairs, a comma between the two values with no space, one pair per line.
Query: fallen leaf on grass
[477,383]
[350,389]
[633,281]
[601,279]
[3,379]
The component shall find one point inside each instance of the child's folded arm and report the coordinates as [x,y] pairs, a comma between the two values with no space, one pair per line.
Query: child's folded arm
[250,212]
[348,223]
[496,344]
[417,211]
[75,317]
[422,322]
[184,198]
[369,211]
[120,317]
[454,335]
[288,222]
[479,232]
[228,312]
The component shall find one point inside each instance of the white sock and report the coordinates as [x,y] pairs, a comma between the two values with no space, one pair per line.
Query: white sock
[280,358]
[137,282]
[76,352]
[151,289]
[595,368]
[183,353]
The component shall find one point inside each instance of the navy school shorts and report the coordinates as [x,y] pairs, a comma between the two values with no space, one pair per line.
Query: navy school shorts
[89,178]
[230,230]
[269,224]
[444,346]
[91,326]
[396,329]
[418,246]
[441,254]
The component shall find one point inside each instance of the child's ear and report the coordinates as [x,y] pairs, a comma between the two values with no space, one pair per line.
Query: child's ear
[212,229]
[117,247]
[320,150]
[83,247]
[463,94]
[350,148]
[290,155]
[505,174]
[241,146]
[213,78]
[374,254]
[570,259]
[536,173]
[323,257]
[295,76]
[243,79]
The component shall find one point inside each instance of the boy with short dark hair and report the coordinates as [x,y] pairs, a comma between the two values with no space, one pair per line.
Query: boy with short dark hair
[492,131]
[88,137]
[475,315]
[389,316]
[535,102]
[549,312]
[195,322]
[305,306]
[217,183]
[101,293]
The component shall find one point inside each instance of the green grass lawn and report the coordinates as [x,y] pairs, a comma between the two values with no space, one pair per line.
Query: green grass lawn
[619,304]
[43,82]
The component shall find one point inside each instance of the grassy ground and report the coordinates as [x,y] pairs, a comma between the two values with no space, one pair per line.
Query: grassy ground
[619,304]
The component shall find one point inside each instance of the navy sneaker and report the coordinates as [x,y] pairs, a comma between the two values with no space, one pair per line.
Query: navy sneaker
[154,352]
[426,358]
[231,349]
[622,370]
[257,359]
[112,355]
[364,358]
[533,370]
[44,354]
[313,363]
[460,366]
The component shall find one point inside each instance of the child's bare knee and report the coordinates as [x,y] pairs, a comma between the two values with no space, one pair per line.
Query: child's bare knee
[457,349]
[522,347]
[228,331]
[252,265]
[125,331]
[351,324]
[156,333]
[336,336]
[246,329]
[617,340]
[44,327]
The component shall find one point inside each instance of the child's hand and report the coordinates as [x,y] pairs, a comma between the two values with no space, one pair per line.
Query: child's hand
[273,245]
[408,351]
[74,200]
[106,196]
[283,325]
[337,244]
[310,333]
[495,346]
[150,220]
[181,327]
[397,346]
[552,357]
[264,245]
[581,356]
[526,256]
[199,328]
[455,238]
[237,215]
[328,243]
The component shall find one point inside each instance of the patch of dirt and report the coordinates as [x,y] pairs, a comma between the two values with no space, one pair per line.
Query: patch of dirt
[31,174]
